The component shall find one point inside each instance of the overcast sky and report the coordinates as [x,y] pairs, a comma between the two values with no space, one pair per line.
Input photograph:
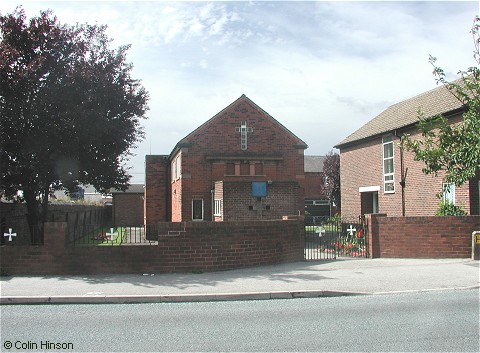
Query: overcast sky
[323,69]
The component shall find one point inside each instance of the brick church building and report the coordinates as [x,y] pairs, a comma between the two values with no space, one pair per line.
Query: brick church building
[242,164]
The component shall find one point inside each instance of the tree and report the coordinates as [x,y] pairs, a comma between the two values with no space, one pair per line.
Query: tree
[454,149]
[331,170]
[70,111]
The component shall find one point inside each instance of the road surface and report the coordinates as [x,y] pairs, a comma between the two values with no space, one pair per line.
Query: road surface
[426,321]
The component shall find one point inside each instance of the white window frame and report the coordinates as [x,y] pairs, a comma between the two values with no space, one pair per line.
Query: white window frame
[449,195]
[217,208]
[177,168]
[203,210]
[388,140]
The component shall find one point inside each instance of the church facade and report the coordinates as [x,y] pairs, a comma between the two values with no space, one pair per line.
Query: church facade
[242,164]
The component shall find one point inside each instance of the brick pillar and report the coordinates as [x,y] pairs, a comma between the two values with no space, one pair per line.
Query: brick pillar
[372,235]
[157,181]
[55,237]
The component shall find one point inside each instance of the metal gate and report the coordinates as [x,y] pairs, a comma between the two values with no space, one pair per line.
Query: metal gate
[333,237]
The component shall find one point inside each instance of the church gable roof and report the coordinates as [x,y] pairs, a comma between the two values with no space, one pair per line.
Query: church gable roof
[434,102]
[314,164]
[239,106]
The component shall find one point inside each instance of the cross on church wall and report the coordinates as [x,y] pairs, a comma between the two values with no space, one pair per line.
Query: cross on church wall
[243,130]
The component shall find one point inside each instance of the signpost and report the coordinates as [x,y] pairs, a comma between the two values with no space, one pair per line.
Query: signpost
[476,245]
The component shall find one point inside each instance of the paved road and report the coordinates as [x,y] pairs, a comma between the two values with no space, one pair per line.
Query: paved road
[430,321]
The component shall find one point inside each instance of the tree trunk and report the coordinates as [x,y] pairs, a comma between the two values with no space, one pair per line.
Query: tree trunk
[35,223]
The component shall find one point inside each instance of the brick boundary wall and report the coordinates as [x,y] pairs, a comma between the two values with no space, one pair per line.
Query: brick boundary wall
[190,246]
[14,216]
[421,237]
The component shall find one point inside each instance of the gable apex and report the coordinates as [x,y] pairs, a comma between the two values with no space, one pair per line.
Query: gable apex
[243,99]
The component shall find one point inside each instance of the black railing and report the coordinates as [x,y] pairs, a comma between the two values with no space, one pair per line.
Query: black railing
[88,235]
[332,237]
[351,240]
[320,236]
[21,235]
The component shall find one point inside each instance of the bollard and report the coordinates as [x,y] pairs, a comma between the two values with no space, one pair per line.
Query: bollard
[476,245]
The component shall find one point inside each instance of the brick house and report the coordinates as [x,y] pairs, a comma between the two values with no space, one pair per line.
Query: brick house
[371,163]
[316,203]
[128,206]
[241,164]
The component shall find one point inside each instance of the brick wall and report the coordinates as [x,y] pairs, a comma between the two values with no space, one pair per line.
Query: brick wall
[206,246]
[128,209]
[238,203]
[14,216]
[359,166]
[421,237]
[157,189]
[314,185]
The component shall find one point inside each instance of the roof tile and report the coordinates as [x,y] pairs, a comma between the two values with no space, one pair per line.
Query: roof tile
[433,102]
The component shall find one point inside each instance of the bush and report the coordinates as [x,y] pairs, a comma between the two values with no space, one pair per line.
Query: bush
[449,209]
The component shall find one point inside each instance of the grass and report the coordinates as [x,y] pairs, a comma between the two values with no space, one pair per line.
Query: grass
[327,227]
[99,237]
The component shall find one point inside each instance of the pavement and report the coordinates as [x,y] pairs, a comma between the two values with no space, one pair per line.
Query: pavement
[341,277]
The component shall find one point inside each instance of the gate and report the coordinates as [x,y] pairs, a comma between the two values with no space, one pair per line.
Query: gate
[333,237]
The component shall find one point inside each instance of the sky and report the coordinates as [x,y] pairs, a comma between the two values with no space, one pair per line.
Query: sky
[323,69]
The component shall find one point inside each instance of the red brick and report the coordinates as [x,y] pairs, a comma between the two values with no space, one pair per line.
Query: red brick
[208,153]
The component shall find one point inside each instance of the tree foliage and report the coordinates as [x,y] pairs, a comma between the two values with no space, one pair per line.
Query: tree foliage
[454,149]
[70,110]
[331,170]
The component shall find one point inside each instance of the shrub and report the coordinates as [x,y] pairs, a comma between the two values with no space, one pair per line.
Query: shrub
[447,208]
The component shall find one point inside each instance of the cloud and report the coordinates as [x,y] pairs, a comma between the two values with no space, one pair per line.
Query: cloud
[322,69]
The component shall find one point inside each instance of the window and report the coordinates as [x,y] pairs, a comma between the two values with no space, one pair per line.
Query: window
[197,210]
[177,168]
[218,208]
[374,202]
[388,165]
[449,193]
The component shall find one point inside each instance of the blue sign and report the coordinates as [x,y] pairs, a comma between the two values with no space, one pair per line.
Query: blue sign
[259,188]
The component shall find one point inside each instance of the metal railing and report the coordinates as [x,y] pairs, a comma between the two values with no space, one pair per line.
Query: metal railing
[94,235]
[21,235]
[332,237]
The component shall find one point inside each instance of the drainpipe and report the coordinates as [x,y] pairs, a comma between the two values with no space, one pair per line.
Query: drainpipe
[403,176]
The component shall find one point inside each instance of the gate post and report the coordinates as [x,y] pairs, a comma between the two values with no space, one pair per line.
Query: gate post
[373,239]
[476,245]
